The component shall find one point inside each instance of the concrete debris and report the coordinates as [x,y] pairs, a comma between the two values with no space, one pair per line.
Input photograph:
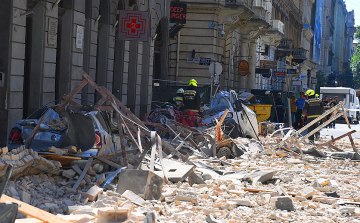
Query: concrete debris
[296,182]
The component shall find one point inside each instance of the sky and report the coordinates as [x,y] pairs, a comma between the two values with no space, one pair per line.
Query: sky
[354,5]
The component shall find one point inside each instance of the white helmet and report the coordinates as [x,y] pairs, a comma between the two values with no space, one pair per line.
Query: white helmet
[267,92]
[180,91]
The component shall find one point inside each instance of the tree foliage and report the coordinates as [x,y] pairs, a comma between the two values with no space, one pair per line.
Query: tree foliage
[355,61]
[321,80]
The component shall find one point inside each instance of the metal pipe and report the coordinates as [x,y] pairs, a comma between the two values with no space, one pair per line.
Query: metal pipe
[177,57]
[230,60]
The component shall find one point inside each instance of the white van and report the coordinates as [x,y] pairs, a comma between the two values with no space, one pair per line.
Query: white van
[343,93]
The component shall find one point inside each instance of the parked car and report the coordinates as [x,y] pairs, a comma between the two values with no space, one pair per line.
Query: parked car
[106,142]
[90,132]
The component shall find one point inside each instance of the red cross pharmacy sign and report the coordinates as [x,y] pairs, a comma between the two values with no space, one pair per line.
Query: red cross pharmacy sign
[133,25]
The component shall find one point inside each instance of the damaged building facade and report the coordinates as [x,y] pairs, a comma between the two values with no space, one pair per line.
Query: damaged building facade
[44,44]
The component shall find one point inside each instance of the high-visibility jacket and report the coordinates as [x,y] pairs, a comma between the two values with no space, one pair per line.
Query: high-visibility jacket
[313,107]
[191,99]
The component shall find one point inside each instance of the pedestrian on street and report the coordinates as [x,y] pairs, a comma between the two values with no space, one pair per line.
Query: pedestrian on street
[293,108]
[299,104]
[279,106]
[313,108]
[333,104]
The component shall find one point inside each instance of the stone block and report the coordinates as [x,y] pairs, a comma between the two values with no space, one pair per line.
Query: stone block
[141,182]
[307,192]
[70,173]
[188,196]
[133,197]
[50,55]
[262,175]
[112,215]
[93,192]
[282,203]
[25,197]
[347,210]
[176,173]
[183,214]
[210,219]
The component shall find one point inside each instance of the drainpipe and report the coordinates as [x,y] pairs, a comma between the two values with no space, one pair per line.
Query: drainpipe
[177,58]
[230,60]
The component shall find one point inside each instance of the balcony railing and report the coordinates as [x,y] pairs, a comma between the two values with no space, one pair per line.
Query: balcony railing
[248,3]
[299,53]
[285,43]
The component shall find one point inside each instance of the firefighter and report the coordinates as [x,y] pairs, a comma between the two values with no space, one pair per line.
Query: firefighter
[192,97]
[313,108]
[178,100]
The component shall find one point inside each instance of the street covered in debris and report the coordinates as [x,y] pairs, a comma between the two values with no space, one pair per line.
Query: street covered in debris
[170,172]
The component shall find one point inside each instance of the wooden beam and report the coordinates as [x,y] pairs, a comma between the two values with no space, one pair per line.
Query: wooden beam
[32,134]
[61,106]
[110,163]
[87,165]
[32,211]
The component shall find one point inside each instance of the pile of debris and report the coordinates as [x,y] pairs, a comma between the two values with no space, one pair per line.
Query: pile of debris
[170,172]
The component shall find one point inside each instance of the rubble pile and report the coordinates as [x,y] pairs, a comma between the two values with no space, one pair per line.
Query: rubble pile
[170,172]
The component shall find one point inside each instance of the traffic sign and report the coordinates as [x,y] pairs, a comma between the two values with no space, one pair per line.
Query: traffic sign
[215,68]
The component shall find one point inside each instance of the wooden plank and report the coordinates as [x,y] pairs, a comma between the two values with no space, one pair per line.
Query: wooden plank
[122,139]
[87,165]
[218,132]
[101,101]
[107,94]
[32,211]
[110,163]
[61,106]
[77,169]
[32,134]
[345,116]
[352,143]
[28,220]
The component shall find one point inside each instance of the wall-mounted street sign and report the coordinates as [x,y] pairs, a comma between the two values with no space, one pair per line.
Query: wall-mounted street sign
[279,74]
[313,80]
[292,71]
[268,64]
[193,60]
[205,61]
[243,68]
[133,25]
[178,13]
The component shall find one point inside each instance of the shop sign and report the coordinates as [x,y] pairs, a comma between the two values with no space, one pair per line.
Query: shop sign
[292,71]
[193,60]
[178,13]
[243,68]
[302,77]
[268,64]
[296,83]
[279,74]
[133,25]
[313,80]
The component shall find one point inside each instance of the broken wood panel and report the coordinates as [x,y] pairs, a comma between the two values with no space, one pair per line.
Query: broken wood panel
[32,211]
[61,106]
[32,134]
[110,163]
[87,165]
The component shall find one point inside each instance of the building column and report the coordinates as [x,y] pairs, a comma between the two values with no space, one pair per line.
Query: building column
[41,88]
[90,49]
[12,56]
[244,52]
[71,51]
[252,66]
